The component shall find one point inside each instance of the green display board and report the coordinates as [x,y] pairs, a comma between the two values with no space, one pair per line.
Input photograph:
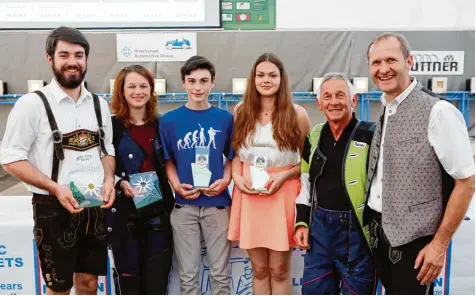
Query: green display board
[248,15]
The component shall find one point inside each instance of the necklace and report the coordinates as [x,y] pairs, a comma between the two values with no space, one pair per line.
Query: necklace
[266,112]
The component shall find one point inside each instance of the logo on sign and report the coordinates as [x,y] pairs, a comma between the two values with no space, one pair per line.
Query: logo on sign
[360,144]
[241,274]
[438,62]
[126,51]
[179,43]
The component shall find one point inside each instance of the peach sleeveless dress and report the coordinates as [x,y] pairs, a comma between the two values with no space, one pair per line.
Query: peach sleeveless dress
[259,220]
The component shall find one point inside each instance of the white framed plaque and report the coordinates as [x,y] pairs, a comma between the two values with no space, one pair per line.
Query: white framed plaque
[201,173]
[259,175]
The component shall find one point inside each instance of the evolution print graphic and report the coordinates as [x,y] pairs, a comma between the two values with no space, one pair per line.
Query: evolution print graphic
[197,138]
[201,145]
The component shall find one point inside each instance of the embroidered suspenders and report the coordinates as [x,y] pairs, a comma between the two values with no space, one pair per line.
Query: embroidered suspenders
[79,140]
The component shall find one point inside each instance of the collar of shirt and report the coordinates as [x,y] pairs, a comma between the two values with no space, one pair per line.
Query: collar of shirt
[401,97]
[59,94]
[345,133]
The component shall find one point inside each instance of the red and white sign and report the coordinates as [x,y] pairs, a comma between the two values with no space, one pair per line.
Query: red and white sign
[242,17]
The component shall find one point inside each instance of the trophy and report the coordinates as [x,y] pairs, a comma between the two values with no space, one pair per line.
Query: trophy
[146,189]
[201,173]
[259,175]
[88,195]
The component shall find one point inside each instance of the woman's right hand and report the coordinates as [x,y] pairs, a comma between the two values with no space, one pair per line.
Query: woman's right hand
[126,188]
[244,185]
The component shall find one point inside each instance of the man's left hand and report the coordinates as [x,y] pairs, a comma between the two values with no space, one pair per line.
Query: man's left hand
[216,188]
[432,256]
[109,193]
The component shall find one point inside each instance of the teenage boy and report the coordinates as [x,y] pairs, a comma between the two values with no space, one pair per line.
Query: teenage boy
[200,179]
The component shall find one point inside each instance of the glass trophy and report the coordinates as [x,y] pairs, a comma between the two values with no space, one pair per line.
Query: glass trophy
[146,189]
[259,175]
[88,195]
[201,173]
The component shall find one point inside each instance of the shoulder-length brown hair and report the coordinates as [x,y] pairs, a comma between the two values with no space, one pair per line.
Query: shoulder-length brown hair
[119,104]
[286,130]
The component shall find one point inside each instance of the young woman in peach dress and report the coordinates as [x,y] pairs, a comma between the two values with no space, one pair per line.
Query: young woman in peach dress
[268,135]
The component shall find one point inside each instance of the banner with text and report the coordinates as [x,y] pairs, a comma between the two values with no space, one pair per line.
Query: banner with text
[16,260]
[156,47]
[20,272]
[437,63]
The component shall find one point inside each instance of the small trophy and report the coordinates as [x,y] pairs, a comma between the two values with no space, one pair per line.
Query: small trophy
[87,195]
[146,189]
[259,175]
[200,171]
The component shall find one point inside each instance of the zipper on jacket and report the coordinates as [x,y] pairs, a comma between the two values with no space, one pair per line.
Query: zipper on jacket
[361,227]
[313,195]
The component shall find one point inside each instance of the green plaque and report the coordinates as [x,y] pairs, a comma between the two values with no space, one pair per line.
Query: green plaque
[87,195]
[248,14]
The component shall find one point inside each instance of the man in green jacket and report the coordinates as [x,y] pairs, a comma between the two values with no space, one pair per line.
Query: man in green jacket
[332,198]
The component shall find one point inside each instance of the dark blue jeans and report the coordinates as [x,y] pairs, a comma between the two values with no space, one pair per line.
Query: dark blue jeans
[142,246]
[339,260]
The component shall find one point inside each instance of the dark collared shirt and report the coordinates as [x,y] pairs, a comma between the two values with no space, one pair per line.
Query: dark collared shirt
[330,189]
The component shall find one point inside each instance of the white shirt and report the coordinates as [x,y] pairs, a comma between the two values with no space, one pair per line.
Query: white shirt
[264,144]
[447,134]
[28,135]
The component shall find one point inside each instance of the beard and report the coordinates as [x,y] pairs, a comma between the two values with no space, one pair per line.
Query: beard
[67,80]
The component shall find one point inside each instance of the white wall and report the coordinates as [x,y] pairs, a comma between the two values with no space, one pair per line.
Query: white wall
[375,15]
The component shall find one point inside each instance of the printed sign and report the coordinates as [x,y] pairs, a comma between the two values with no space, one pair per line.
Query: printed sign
[437,63]
[20,269]
[249,15]
[156,47]
[241,273]
[15,264]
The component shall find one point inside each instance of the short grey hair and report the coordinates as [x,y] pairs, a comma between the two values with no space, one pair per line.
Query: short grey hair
[404,44]
[337,76]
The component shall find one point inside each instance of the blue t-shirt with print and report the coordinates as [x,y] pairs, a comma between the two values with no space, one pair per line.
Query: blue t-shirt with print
[186,134]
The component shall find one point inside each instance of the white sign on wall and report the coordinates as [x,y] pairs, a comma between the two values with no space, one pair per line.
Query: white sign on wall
[366,15]
[437,63]
[156,47]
